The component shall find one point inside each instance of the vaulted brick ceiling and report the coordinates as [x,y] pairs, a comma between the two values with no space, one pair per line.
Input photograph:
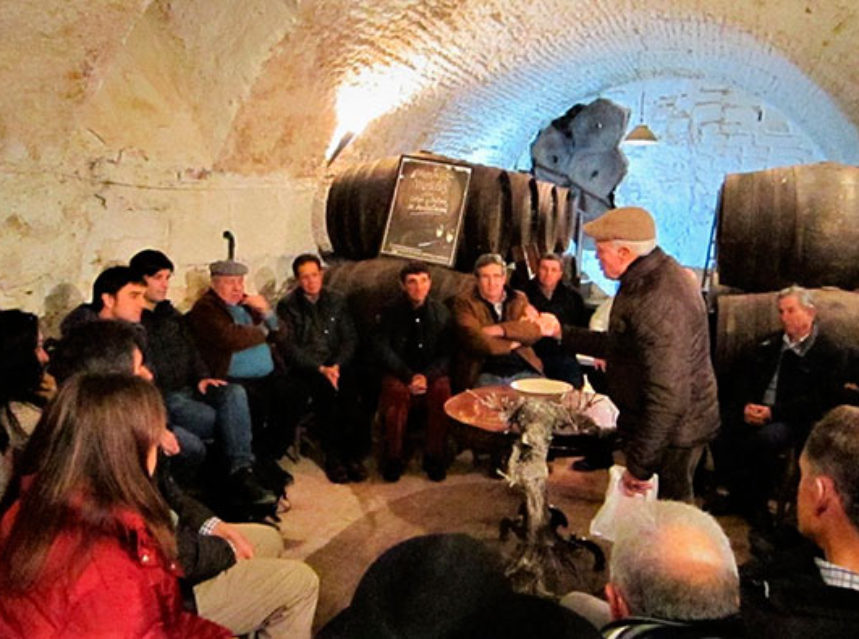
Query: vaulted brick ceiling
[250,86]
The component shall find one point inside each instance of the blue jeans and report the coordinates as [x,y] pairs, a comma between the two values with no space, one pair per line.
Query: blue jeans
[221,414]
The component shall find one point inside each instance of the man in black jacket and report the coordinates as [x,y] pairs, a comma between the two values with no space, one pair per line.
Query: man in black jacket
[657,352]
[235,570]
[413,347]
[793,379]
[320,349]
[799,594]
[208,407]
[548,294]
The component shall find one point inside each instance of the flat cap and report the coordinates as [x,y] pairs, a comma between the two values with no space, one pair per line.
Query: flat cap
[629,223]
[227,267]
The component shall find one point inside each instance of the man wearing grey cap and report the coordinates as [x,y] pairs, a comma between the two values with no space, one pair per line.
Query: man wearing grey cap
[231,329]
[657,351]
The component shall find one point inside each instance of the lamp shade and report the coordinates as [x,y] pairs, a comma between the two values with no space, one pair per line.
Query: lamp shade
[640,136]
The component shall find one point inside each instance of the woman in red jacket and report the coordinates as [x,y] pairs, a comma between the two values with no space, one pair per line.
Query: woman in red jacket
[89,550]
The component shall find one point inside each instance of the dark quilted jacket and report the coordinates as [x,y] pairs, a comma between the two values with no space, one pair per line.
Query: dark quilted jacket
[658,361]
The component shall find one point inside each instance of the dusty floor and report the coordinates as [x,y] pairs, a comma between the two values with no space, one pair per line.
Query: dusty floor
[341,529]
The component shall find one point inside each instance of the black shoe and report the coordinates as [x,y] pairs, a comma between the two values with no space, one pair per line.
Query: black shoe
[249,490]
[588,464]
[435,469]
[336,473]
[355,471]
[392,470]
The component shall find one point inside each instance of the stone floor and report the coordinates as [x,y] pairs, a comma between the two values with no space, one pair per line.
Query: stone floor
[341,529]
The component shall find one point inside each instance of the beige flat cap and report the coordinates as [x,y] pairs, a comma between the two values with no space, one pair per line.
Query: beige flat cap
[630,223]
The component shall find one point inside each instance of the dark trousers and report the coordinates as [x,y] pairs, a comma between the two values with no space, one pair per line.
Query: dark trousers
[563,367]
[395,403]
[761,461]
[677,472]
[342,424]
[271,424]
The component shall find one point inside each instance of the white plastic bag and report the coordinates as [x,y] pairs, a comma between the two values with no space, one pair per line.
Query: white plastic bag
[618,505]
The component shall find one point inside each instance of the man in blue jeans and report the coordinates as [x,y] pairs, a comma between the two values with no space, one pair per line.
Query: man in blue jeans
[206,406]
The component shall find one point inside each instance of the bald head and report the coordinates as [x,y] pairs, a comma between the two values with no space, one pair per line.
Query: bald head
[675,562]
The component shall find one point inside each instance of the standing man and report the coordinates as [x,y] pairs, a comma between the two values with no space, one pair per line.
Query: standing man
[413,346]
[548,294]
[657,353]
[321,347]
[496,328]
[207,406]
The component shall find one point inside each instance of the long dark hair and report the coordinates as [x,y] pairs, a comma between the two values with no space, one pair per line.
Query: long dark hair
[20,370]
[88,460]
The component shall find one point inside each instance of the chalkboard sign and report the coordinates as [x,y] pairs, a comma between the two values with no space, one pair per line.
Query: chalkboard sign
[426,211]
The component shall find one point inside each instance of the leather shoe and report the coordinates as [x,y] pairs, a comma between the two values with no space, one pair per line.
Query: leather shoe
[392,470]
[435,469]
[588,464]
[249,490]
[355,471]
[336,473]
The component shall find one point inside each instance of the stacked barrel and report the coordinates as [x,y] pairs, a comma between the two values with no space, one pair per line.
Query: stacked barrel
[503,209]
[784,226]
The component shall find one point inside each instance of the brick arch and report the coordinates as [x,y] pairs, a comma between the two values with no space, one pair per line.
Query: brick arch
[502,118]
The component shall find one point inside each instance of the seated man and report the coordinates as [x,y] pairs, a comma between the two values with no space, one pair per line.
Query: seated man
[496,328]
[238,578]
[672,574]
[413,346]
[206,406]
[548,294]
[798,593]
[117,293]
[320,350]
[231,330]
[792,381]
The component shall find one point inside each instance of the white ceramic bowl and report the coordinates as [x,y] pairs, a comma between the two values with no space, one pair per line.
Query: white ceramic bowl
[541,387]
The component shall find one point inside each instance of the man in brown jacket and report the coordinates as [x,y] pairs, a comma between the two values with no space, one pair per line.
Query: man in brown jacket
[657,353]
[495,327]
[232,330]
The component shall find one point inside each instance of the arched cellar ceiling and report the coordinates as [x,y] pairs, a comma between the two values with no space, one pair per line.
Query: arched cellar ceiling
[255,81]
[482,129]
[485,76]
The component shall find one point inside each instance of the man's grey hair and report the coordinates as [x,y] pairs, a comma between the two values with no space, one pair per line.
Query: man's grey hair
[803,295]
[644,247]
[832,449]
[489,258]
[675,562]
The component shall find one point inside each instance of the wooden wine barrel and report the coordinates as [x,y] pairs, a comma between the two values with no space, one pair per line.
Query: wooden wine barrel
[485,229]
[566,220]
[744,320]
[372,284]
[520,207]
[547,215]
[790,225]
[336,208]
[357,207]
